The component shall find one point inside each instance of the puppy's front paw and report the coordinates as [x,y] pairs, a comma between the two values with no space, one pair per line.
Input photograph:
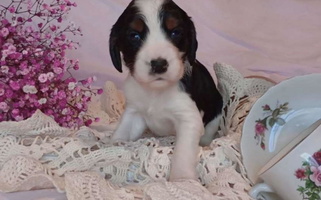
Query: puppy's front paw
[182,173]
[119,136]
[182,176]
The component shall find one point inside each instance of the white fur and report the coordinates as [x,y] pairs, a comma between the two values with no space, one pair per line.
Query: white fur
[158,102]
[156,46]
[168,111]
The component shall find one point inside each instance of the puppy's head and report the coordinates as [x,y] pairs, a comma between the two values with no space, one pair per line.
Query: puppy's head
[156,38]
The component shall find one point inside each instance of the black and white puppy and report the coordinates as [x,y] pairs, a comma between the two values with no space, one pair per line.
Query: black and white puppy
[167,90]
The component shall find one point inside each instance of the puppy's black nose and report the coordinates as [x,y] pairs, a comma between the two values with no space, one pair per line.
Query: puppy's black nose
[159,66]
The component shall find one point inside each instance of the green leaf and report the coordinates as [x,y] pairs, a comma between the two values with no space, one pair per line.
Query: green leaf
[272,122]
[276,113]
[309,184]
[300,189]
[280,121]
[315,196]
[309,194]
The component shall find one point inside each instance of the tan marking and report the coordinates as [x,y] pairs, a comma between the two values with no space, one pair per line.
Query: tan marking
[171,23]
[137,25]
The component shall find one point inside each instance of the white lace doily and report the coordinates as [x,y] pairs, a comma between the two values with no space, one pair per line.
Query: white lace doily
[37,153]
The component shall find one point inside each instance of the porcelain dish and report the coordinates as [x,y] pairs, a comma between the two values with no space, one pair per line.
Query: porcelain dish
[277,118]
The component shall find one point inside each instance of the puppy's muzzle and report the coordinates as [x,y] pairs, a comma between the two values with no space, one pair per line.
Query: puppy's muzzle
[158,66]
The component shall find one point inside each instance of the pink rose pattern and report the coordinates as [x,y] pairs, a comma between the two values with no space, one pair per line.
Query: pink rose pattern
[310,173]
[272,117]
[316,176]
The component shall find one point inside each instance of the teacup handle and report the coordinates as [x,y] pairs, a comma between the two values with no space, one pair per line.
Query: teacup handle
[265,190]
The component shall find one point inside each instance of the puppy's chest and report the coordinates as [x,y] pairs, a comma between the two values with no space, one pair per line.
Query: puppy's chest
[158,116]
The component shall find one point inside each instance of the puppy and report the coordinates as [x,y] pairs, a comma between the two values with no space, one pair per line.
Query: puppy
[167,89]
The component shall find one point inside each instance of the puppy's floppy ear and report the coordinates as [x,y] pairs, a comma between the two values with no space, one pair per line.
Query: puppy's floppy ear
[114,49]
[193,42]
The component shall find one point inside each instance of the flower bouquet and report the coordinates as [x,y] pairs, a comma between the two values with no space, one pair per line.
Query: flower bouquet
[310,173]
[34,70]
[272,118]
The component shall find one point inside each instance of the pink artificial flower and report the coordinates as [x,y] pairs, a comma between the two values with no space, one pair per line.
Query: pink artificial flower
[43,78]
[24,71]
[29,29]
[100,91]
[53,27]
[23,65]
[14,85]
[79,105]
[31,54]
[4,22]
[259,128]
[50,75]
[12,9]
[61,94]
[76,67]
[9,93]
[46,6]
[29,2]
[11,49]
[21,104]
[316,176]
[4,106]
[18,118]
[300,174]
[44,89]
[57,70]
[4,69]
[88,122]
[2,91]
[15,112]
[38,52]
[4,32]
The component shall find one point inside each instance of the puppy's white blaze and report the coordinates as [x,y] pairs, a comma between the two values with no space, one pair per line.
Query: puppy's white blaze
[156,45]
[150,10]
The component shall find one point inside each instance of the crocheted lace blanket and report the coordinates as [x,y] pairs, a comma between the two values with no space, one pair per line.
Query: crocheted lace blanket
[37,153]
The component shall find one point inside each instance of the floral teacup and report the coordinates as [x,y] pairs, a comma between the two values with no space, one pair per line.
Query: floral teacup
[295,172]
[277,118]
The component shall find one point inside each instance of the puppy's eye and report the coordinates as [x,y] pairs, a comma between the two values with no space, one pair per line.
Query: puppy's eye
[134,36]
[176,33]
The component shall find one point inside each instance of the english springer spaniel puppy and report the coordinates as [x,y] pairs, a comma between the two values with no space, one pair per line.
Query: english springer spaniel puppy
[167,90]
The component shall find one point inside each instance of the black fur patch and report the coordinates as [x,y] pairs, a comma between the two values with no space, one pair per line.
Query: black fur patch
[200,85]
[122,38]
[183,36]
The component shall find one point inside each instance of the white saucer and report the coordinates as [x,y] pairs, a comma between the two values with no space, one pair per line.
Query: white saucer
[278,117]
